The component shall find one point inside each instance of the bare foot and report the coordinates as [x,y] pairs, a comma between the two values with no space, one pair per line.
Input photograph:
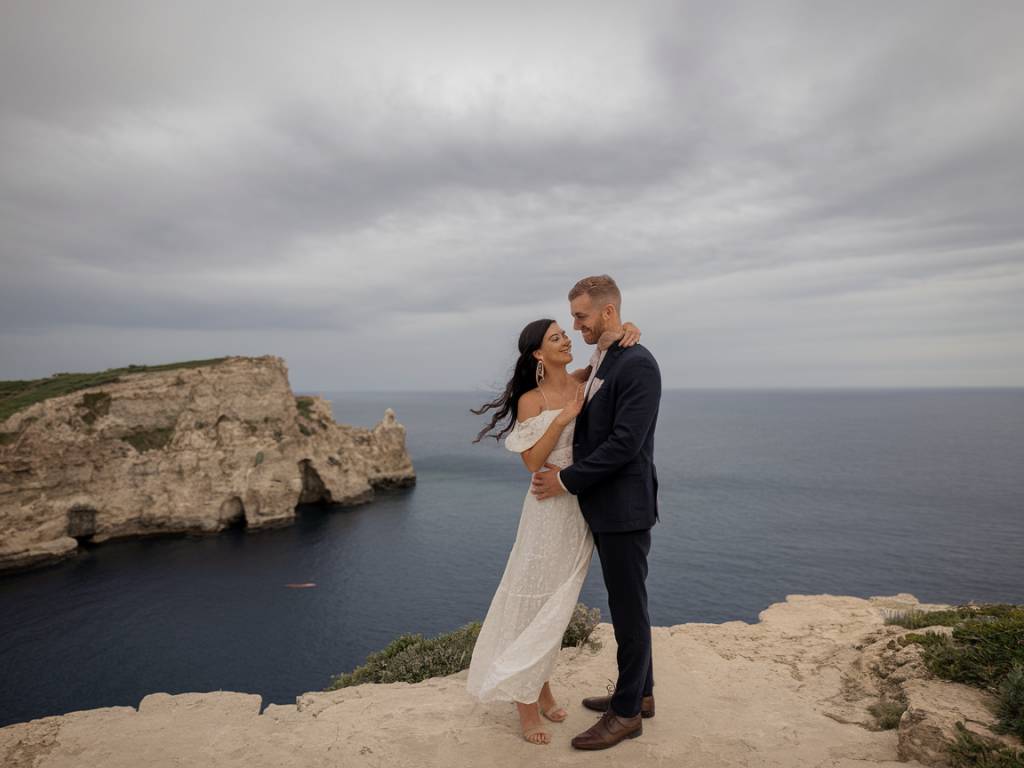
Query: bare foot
[529,719]
[548,707]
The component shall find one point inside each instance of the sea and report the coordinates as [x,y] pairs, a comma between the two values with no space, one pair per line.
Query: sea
[763,494]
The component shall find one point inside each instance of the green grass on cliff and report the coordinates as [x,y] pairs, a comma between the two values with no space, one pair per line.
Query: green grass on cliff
[986,650]
[20,393]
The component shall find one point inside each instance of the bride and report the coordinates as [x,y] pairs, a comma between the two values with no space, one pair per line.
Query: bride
[519,641]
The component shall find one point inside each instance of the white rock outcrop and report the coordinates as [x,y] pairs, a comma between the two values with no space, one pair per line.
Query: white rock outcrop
[195,450]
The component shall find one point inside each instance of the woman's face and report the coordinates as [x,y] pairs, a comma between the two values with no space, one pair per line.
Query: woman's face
[556,347]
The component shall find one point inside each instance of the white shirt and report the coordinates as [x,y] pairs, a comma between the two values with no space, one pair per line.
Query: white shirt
[595,362]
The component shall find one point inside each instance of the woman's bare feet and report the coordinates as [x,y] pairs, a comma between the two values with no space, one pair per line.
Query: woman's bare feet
[529,719]
[548,707]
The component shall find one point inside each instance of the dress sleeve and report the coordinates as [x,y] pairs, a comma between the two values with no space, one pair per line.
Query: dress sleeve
[525,434]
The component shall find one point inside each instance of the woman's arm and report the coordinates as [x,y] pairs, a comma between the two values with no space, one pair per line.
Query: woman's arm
[536,455]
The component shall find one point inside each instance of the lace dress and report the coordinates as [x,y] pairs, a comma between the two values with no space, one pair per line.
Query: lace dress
[519,641]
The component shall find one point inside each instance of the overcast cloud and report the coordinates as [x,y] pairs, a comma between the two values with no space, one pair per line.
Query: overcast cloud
[789,194]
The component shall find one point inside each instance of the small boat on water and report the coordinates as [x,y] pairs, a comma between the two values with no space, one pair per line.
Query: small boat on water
[302,586]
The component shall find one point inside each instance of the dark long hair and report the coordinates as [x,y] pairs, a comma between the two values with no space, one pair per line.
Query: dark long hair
[524,378]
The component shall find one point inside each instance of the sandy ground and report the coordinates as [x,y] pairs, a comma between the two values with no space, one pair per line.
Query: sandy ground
[732,694]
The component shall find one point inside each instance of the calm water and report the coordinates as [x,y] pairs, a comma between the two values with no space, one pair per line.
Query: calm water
[763,494]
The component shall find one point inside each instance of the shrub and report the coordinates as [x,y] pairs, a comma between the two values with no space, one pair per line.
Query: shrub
[305,406]
[1011,702]
[888,713]
[969,751]
[986,650]
[412,658]
[142,439]
[580,627]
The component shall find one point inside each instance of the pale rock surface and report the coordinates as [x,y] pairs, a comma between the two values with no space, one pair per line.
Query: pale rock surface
[183,450]
[791,690]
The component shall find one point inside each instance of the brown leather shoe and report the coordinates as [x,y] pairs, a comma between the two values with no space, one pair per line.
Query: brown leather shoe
[602,703]
[609,731]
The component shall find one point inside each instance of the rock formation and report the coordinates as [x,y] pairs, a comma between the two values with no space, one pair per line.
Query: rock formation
[791,690]
[191,449]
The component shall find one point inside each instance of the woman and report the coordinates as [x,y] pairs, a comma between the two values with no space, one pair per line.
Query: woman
[519,641]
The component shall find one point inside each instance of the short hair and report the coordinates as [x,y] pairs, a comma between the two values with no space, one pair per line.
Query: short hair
[600,288]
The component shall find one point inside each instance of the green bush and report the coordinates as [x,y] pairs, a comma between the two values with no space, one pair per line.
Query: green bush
[888,713]
[969,751]
[412,658]
[305,406]
[986,650]
[1011,702]
[142,439]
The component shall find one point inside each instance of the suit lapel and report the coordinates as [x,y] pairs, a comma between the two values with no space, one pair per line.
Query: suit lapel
[611,359]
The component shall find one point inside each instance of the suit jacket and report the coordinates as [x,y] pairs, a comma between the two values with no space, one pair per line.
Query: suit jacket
[613,473]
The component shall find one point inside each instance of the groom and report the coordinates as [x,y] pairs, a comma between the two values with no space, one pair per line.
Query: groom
[614,478]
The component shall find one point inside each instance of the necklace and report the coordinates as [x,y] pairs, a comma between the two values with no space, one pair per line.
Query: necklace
[565,397]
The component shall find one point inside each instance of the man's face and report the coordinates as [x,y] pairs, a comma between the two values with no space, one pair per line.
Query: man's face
[586,318]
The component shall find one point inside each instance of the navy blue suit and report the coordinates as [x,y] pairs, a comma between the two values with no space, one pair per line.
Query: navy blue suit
[614,478]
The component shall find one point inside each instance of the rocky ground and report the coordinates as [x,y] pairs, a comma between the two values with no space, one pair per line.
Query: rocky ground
[791,690]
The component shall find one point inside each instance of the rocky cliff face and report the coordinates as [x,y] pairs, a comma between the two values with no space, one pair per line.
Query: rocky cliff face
[182,450]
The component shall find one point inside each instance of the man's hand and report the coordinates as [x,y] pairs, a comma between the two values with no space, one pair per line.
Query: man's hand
[545,483]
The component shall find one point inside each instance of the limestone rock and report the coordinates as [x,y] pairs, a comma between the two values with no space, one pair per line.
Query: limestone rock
[933,709]
[732,694]
[181,450]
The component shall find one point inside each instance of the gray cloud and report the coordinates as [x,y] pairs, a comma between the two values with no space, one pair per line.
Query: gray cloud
[823,179]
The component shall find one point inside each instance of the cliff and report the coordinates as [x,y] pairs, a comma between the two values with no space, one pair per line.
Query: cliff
[793,689]
[180,449]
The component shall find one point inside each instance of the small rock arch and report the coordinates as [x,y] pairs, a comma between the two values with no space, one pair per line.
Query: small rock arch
[313,489]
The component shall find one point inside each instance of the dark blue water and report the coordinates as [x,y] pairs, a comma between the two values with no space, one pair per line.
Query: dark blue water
[763,494]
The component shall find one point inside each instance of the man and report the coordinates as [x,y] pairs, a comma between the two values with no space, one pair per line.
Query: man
[614,478]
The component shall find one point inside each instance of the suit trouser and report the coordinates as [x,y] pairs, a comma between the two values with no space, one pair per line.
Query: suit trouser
[624,566]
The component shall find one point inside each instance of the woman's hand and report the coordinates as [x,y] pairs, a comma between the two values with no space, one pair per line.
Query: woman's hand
[630,336]
[572,409]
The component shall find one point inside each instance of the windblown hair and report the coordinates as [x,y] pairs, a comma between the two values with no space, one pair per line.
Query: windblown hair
[524,378]
[601,289]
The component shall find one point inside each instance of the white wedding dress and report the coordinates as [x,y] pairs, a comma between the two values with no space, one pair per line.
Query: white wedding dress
[519,641]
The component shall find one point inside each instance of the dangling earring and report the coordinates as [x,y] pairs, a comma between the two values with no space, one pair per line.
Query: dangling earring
[540,372]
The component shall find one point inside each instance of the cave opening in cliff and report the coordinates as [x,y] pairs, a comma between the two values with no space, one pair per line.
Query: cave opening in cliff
[314,491]
[82,523]
[232,514]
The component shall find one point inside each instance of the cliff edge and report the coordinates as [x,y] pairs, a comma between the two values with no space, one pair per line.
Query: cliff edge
[794,689]
[181,449]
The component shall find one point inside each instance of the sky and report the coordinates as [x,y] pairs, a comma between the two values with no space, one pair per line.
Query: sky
[789,194]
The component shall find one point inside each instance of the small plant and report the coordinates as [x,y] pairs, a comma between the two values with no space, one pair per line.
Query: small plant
[96,404]
[149,439]
[888,713]
[259,459]
[969,751]
[918,619]
[305,406]
[1011,702]
[580,627]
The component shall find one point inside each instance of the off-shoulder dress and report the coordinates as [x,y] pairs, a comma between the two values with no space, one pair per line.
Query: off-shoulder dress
[519,641]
